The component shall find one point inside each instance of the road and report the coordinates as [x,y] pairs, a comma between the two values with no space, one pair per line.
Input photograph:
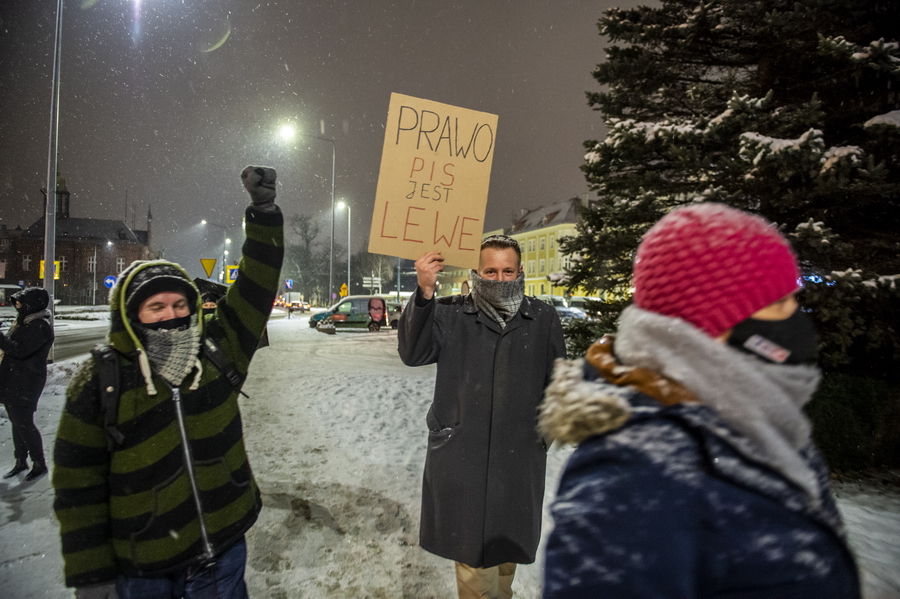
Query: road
[75,341]
[78,337]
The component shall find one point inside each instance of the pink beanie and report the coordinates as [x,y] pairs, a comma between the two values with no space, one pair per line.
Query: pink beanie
[712,266]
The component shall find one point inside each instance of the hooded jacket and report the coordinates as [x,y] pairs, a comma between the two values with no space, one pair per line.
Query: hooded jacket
[23,370]
[133,510]
[662,499]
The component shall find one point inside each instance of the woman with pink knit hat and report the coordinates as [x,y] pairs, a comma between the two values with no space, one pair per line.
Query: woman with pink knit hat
[695,474]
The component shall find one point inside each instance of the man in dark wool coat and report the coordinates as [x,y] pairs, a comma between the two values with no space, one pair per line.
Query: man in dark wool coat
[483,485]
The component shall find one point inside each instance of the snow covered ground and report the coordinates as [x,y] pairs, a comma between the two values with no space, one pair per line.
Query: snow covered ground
[335,429]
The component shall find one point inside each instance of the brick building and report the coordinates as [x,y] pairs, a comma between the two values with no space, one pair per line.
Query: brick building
[87,250]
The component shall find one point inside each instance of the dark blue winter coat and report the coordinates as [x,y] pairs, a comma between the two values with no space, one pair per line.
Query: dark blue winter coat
[665,505]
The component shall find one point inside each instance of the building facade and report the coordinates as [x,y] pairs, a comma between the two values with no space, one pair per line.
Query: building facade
[87,250]
[538,232]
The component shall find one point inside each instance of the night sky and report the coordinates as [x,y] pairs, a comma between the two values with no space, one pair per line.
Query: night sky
[163,102]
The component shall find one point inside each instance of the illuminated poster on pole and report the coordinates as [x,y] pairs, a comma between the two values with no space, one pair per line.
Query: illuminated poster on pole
[433,183]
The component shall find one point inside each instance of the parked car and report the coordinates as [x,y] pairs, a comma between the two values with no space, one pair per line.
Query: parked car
[554,300]
[581,302]
[293,300]
[353,312]
[566,313]
[394,311]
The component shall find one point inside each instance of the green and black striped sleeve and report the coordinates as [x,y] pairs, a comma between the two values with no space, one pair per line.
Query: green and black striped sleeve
[248,302]
[82,463]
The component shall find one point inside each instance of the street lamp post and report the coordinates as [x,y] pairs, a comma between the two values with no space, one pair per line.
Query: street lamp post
[94,294]
[225,242]
[343,205]
[50,208]
[288,132]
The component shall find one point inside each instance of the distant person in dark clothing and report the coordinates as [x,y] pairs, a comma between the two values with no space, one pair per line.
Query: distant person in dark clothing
[210,294]
[23,373]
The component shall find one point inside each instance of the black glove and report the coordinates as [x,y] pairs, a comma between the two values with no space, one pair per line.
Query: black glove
[104,590]
[259,181]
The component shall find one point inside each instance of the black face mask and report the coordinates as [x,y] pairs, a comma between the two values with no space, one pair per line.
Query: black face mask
[208,311]
[789,341]
[168,325]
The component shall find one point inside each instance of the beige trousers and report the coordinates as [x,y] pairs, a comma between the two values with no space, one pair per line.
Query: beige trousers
[485,583]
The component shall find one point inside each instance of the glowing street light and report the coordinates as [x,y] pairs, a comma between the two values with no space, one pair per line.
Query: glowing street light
[286,132]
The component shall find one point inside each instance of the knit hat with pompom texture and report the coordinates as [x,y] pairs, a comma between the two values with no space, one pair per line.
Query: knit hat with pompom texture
[712,266]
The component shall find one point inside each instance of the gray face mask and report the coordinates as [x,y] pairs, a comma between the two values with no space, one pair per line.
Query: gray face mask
[498,299]
[789,341]
[173,346]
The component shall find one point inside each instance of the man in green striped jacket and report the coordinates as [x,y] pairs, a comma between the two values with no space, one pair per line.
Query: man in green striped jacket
[157,505]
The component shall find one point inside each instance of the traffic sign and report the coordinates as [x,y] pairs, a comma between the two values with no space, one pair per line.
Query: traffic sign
[55,270]
[231,274]
[110,281]
[344,290]
[289,284]
[208,265]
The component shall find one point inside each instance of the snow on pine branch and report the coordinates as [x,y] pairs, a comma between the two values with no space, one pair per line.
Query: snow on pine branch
[849,154]
[891,119]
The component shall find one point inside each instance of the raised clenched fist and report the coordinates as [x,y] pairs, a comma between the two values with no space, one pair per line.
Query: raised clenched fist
[259,181]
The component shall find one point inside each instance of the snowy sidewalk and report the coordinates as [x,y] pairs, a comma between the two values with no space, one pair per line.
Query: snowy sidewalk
[335,431]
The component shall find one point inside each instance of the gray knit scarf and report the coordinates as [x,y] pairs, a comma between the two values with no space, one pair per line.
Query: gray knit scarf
[761,401]
[173,353]
[500,300]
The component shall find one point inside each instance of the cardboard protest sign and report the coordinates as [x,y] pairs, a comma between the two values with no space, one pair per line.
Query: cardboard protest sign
[433,183]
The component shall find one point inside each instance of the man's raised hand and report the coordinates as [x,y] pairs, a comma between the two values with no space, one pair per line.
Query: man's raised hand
[428,267]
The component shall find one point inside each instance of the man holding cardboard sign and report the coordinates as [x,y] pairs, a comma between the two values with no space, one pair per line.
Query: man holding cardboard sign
[483,484]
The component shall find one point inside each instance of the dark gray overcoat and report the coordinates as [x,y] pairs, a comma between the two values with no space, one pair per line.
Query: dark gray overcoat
[483,486]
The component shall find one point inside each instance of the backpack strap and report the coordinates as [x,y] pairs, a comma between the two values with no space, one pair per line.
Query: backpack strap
[215,354]
[107,360]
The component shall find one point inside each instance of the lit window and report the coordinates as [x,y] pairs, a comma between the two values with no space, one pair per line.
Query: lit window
[26,262]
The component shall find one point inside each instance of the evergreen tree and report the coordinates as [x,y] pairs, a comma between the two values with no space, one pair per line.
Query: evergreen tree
[786,108]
